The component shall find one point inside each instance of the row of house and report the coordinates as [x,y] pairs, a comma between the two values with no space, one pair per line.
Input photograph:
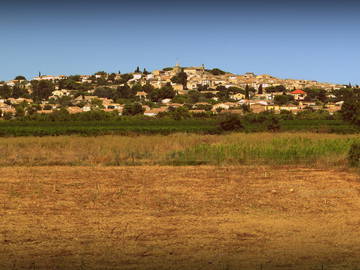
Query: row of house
[196,77]
[199,76]
[108,105]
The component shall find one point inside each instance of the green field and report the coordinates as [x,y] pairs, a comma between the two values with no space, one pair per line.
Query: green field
[120,127]
[320,126]
[128,126]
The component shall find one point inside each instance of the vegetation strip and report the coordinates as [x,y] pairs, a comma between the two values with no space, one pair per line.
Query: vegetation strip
[180,149]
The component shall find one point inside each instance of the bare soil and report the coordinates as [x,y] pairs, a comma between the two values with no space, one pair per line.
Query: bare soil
[244,217]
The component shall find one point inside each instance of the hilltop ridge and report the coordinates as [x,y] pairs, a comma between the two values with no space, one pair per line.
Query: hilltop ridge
[194,89]
[200,76]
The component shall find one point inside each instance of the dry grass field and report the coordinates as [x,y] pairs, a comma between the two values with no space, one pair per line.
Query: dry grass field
[178,149]
[158,217]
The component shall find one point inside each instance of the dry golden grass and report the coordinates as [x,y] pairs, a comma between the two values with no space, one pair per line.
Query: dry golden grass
[178,218]
[180,149]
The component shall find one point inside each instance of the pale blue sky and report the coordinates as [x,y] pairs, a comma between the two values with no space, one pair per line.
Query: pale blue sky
[306,40]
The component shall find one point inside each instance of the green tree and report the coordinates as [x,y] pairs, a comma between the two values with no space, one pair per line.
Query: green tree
[247,92]
[283,99]
[180,113]
[201,87]
[124,92]
[41,90]
[137,87]
[69,84]
[47,107]
[350,110]
[354,155]
[19,111]
[180,78]
[235,90]
[60,115]
[19,91]
[245,108]
[111,77]
[76,78]
[231,122]
[104,92]
[260,90]
[101,81]
[133,109]
[194,96]
[278,88]
[137,70]
[64,101]
[343,94]
[102,73]
[20,78]
[7,115]
[223,93]
[180,99]
[323,96]
[166,91]
[5,91]
[148,88]
[316,94]
[216,71]
[273,125]
[96,103]
[125,78]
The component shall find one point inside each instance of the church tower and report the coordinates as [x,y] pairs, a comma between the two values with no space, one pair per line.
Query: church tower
[177,67]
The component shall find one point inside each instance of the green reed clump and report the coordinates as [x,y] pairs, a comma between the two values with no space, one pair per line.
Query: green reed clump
[354,155]
[283,150]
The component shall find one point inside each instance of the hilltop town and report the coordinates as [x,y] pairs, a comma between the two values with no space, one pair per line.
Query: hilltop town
[196,90]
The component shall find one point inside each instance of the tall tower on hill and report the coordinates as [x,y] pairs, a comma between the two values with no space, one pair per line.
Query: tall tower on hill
[177,67]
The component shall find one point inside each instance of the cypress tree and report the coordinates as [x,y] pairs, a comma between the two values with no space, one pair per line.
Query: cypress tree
[247,96]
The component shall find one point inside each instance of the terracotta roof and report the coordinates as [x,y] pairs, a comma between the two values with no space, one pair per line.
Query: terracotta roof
[142,93]
[74,109]
[297,92]
[197,111]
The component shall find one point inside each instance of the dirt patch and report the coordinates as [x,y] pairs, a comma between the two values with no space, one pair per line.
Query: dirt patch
[178,218]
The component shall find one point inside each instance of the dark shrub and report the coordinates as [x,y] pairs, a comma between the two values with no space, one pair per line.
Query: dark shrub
[8,115]
[354,155]
[231,122]
[274,124]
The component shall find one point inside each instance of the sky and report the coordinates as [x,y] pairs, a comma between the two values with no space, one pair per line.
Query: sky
[314,40]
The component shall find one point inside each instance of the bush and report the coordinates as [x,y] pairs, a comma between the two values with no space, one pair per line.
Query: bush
[180,113]
[354,155]
[216,71]
[133,109]
[7,115]
[48,107]
[231,122]
[274,124]
[286,115]
[258,118]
